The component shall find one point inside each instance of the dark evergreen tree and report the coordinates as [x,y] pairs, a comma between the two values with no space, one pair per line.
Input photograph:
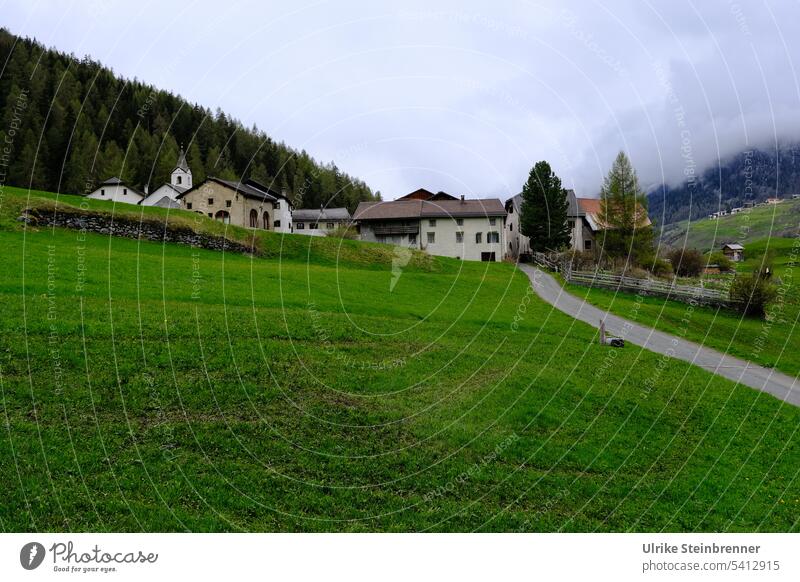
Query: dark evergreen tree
[543,215]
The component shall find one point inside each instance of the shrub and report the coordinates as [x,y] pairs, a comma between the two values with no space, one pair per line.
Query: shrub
[687,262]
[720,260]
[661,268]
[343,231]
[752,294]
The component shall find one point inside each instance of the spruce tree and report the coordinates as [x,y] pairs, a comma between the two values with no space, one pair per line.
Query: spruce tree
[543,215]
[627,232]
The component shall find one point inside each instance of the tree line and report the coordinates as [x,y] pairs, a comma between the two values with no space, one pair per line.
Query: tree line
[69,123]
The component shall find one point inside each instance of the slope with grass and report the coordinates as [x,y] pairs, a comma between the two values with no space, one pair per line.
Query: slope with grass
[772,221]
[774,342]
[159,388]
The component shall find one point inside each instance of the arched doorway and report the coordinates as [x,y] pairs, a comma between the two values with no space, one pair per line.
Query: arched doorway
[266,220]
[223,216]
[254,218]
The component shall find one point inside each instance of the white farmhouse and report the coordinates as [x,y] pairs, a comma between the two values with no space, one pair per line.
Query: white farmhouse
[180,181]
[116,190]
[472,230]
[313,222]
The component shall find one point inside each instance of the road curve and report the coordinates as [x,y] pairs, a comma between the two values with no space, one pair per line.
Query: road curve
[780,385]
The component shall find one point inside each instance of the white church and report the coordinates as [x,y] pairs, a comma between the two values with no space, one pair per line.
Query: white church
[165,196]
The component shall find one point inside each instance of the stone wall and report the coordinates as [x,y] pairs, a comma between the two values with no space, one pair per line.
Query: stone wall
[145,228]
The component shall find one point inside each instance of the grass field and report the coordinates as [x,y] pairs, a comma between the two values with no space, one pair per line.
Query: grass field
[773,221]
[160,388]
[773,343]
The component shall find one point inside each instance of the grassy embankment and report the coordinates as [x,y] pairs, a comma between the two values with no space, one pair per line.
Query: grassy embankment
[158,387]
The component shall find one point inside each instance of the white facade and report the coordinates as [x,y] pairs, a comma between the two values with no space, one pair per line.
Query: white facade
[180,181]
[282,215]
[116,190]
[470,239]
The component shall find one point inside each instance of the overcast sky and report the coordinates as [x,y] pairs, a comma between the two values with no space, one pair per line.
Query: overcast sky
[462,96]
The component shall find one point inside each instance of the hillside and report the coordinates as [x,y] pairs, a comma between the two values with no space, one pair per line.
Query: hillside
[752,175]
[157,387]
[771,221]
[71,122]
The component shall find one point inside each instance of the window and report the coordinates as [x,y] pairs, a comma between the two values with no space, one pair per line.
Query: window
[223,216]
[227,203]
[102,192]
[124,191]
[412,239]
[277,205]
[431,238]
[460,221]
[276,224]
[180,180]
[432,223]
[313,225]
[211,202]
[210,215]
[587,245]
[492,237]
[329,226]
[478,238]
[492,221]
[488,257]
[459,237]
[300,226]
[510,226]
[253,218]
[189,205]
[265,220]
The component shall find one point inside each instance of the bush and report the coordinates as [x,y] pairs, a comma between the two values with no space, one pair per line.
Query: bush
[752,294]
[661,268]
[343,231]
[720,260]
[687,262]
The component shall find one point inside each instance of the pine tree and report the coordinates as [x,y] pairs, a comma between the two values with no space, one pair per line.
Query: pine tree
[627,232]
[543,215]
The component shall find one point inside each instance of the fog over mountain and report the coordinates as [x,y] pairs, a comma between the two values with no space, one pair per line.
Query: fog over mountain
[459,96]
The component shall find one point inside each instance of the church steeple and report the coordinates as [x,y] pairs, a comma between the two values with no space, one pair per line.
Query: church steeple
[182,175]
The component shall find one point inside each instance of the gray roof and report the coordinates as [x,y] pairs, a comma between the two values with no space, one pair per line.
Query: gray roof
[246,189]
[320,214]
[409,209]
[114,181]
[733,246]
[167,202]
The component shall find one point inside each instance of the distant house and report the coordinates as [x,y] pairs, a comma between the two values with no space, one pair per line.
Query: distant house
[733,251]
[180,181]
[749,204]
[473,230]
[319,221]
[774,200]
[247,204]
[115,190]
[736,210]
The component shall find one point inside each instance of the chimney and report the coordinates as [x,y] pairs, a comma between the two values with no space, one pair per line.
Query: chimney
[147,188]
[462,199]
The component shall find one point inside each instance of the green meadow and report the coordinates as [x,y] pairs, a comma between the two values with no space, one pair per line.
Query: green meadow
[153,387]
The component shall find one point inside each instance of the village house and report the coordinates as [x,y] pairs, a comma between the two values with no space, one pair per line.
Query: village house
[733,251]
[116,190]
[247,204]
[166,195]
[319,222]
[472,230]
[774,200]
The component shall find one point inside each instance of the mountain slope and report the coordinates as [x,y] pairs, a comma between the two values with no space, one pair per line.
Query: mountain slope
[71,122]
[752,175]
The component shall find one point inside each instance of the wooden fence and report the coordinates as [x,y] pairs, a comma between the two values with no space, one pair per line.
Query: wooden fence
[685,293]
